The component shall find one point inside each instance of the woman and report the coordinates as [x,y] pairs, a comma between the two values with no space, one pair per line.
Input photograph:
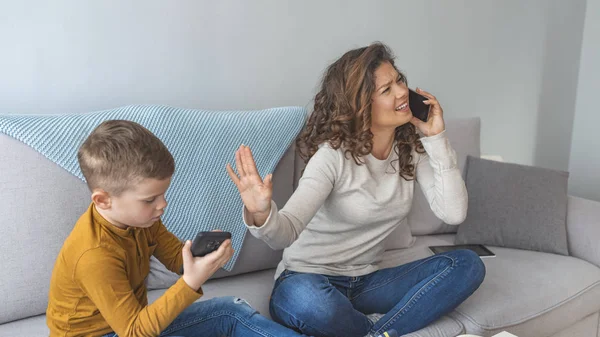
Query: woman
[363,156]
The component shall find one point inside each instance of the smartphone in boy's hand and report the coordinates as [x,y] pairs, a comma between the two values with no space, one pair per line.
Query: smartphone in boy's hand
[207,242]
[212,251]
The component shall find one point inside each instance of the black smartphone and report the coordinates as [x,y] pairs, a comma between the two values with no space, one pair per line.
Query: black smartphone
[417,107]
[481,250]
[207,242]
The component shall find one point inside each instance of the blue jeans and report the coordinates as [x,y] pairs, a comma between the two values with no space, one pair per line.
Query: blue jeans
[410,296]
[223,316]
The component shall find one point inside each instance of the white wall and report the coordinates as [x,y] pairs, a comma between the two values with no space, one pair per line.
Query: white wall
[584,164]
[560,70]
[480,57]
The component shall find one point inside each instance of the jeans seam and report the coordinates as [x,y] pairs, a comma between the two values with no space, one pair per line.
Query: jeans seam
[386,282]
[411,302]
[296,318]
[195,321]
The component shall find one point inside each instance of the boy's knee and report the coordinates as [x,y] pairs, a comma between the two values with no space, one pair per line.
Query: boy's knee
[236,305]
[242,305]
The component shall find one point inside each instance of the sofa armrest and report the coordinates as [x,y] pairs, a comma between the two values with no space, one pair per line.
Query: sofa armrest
[583,229]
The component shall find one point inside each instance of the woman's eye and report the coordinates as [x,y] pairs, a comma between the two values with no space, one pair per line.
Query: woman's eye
[150,200]
[385,91]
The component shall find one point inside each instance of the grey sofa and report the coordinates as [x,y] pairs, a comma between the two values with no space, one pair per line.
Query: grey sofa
[526,293]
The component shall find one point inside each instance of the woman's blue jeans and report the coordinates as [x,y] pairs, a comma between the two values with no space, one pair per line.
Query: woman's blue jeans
[410,296]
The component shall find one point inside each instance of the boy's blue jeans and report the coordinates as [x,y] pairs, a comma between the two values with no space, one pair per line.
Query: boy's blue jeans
[411,296]
[223,316]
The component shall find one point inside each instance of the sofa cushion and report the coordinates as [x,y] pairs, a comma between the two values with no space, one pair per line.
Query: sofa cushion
[515,206]
[524,292]
[40,204]
[531,294]
[583,229]
[444,327]
[584,328]
[28,327]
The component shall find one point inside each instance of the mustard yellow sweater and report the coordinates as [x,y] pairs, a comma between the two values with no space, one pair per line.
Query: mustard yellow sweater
[97,284]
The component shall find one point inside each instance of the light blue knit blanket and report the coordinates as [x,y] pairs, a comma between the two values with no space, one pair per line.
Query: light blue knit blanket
[201,196]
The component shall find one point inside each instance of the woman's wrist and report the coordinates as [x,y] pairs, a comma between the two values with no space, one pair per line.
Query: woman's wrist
[259,218]
[433,134]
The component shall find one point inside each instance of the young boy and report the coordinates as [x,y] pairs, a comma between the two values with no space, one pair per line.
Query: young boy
[97,286]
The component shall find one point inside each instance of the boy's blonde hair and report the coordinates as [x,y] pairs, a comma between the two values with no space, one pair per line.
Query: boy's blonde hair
[119,153]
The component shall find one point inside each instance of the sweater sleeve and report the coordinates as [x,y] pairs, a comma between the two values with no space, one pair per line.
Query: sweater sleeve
[441,181]
[168,249]
[103,277]
[318,180]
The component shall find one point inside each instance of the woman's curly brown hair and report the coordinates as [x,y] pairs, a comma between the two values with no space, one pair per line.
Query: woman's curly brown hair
[342,111]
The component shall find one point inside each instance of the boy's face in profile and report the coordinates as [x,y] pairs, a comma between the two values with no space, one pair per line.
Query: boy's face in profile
[141,205]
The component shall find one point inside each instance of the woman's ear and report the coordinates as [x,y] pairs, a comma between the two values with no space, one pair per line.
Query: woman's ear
[101,199]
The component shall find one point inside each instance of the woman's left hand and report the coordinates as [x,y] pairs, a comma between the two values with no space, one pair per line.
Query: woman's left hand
[435,120]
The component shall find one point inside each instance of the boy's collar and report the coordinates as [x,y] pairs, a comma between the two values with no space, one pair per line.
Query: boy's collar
[97,217]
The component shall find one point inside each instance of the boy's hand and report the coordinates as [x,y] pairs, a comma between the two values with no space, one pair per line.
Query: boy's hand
[196,270]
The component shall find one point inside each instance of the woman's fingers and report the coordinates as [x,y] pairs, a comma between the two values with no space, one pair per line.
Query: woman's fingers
[249,164]
[234,177]
[268,181]
[425,93]
[431,102]
[239,163]
[434,104]
[246,167]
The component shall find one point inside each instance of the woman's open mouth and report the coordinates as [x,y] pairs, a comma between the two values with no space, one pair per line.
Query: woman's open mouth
[402,107]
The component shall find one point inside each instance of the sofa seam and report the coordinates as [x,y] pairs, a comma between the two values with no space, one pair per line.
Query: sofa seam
[598,326]
[539,313]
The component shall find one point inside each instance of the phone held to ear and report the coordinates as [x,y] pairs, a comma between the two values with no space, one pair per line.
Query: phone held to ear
[417,107]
